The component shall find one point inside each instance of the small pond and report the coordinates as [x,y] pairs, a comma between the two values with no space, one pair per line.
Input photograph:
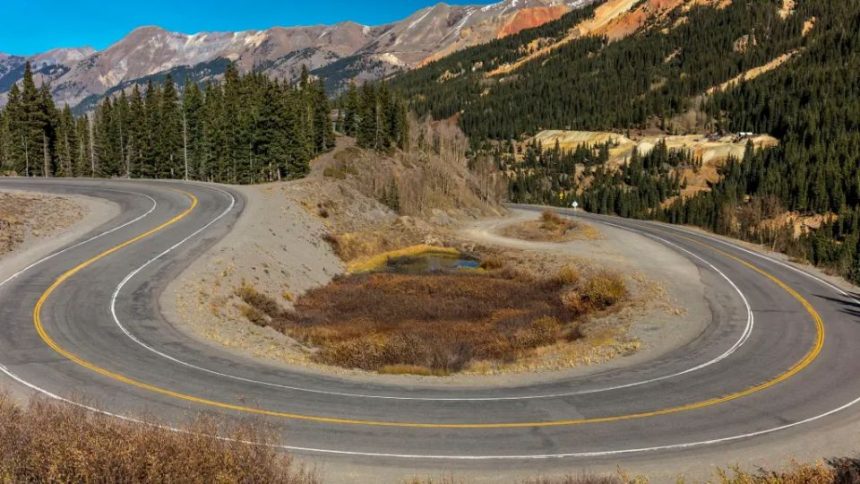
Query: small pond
[431,262]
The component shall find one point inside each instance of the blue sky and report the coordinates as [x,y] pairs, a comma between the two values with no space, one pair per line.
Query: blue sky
[32,26]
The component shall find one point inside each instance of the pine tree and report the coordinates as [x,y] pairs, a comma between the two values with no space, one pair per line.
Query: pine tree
[351,111]
[170,133]
[47,125]
[66,143]
[136,134]
[192,108]
[149,153]
[245,129]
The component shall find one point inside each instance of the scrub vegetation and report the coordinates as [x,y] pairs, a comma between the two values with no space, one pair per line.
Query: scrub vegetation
[45,441]
[439,322]
[551,227]
[51,442]
[834,471]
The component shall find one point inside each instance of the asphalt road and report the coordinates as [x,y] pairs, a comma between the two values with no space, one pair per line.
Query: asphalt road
[777,362]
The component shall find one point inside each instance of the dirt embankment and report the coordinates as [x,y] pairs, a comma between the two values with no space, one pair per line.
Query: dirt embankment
[25,217]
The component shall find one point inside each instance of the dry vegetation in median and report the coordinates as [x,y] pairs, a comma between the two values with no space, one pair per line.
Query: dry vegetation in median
[551,227]
[378,261]
[437,323]
[51,442]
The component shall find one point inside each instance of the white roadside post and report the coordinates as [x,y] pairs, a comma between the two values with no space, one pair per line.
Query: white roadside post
[574,205]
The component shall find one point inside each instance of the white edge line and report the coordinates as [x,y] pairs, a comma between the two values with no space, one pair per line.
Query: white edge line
[313,450]
[458,457]
[735,347]
[765,257]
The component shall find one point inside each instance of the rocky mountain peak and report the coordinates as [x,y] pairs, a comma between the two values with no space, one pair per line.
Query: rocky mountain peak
[339,53]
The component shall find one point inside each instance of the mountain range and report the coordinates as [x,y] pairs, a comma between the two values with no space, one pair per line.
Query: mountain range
[337,53]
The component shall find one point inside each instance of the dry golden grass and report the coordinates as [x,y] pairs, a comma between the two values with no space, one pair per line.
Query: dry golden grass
[570,479]
[51,442]
[837,471]
[567,276]
[580,479]
[492,262]
[819,473]
[378,261]
[364,244]
[439,323]
[604,290]
[551,227]
[552,220]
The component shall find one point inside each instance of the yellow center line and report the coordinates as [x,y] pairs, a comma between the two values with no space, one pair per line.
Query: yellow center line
[795,369]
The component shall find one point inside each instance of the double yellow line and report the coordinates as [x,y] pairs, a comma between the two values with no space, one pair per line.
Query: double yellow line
[811,355]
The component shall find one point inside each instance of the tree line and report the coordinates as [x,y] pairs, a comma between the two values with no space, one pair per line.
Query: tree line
[244,129]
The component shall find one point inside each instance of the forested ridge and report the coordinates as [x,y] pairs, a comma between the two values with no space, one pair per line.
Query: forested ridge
[242,129]
[812,104]
[594,84]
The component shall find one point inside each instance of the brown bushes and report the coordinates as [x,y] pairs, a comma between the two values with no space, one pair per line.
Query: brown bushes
[568,275]
[604,290]
[491,263]
[551,227]
[552,221]
[258,301]
[571,479]
[581,479]
[798,474]
[437,323]
[49,442]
